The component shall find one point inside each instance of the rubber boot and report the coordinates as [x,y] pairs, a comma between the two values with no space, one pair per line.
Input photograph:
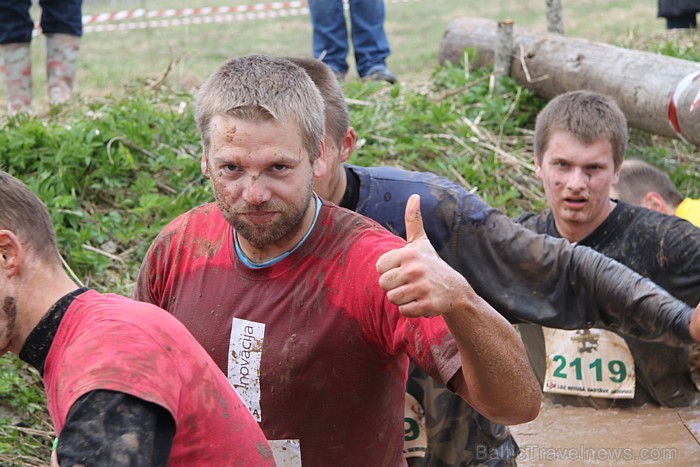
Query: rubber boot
[61,63]
[17,69]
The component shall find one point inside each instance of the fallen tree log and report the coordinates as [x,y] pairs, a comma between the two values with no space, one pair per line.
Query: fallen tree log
[658,94]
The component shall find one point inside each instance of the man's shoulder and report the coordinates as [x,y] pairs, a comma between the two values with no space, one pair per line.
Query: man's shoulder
[537,222]
[385,190]
[353,227]
[113,310]
[412,181]
[200,219]
[638,218]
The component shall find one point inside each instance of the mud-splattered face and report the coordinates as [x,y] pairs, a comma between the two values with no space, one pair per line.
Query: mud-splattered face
[262,179]
[577,179]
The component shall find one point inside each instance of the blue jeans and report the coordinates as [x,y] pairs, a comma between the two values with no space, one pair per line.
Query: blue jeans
[330,36]
[57,17]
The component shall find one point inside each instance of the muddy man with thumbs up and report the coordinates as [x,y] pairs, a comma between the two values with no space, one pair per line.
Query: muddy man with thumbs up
[313,311]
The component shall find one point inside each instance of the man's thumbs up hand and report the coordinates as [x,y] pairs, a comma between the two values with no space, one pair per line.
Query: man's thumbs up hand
[415,277]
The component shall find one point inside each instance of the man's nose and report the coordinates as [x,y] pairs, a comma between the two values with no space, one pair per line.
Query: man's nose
[256,192]
[577,180]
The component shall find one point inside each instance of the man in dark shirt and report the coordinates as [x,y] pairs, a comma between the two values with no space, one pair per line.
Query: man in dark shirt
[580,143]
[126,383]
[525,277]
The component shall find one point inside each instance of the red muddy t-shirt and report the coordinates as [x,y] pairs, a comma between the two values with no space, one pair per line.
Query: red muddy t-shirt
[312,345]
[110,342]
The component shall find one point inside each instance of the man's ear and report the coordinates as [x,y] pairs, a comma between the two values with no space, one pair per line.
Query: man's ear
[11,253]
[203,164]
[538,169]
[348,145]
[320,164]
[654,201]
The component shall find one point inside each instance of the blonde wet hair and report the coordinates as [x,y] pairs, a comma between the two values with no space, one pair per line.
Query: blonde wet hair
[259,88]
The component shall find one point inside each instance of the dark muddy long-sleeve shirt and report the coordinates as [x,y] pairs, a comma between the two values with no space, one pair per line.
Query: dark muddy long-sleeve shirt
[666,250]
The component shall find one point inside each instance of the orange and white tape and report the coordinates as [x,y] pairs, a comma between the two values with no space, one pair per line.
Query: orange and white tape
[124,20]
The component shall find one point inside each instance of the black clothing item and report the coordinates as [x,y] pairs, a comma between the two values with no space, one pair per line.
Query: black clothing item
[677,7]
[679,14]
[114,428]
[688,21]
[96,425]
[666,250]
[352,190]
[39,340]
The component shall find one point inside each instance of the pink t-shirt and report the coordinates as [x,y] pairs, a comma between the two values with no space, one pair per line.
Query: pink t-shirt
[311,343]
[113,343]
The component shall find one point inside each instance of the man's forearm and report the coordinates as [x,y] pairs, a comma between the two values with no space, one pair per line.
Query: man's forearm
[496,377]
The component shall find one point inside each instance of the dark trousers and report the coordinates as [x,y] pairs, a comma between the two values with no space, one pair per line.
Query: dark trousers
[57,16]
[686,21]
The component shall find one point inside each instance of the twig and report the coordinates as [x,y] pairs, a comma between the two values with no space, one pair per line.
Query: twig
[458,176]
[359,102]
[70,271]
[166,187]
[33,431]
[511,109]
[446,136]
[103,253]
[527,72]
[460,89]
[128,143]
[158,82]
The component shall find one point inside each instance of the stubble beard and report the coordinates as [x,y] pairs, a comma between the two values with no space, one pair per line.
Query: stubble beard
[271,233]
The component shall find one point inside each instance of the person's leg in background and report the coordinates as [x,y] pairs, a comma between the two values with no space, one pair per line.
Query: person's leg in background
[15,47]
[679,14]
[330,35]
[62,24]
[686,21]
[369,39]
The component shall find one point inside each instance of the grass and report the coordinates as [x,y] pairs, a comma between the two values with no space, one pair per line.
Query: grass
[121,160]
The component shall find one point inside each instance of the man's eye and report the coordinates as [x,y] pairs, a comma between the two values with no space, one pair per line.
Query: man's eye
[230,168]
[279,167]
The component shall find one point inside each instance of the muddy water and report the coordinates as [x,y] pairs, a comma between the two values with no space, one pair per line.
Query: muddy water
[637,436]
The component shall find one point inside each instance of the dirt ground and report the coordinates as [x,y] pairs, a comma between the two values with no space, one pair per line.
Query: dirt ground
[582,435]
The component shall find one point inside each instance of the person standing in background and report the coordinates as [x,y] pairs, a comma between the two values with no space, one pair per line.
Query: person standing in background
[679,14]
[330,37]
[643,184]
[61,22]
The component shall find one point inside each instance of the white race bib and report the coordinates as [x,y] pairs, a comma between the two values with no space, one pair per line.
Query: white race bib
[415,436]
[589,362]
[244,358]
[287,452]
